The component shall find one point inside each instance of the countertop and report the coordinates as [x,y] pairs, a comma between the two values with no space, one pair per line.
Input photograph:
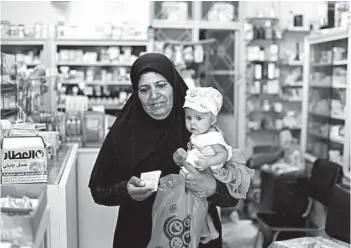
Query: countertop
[57,164]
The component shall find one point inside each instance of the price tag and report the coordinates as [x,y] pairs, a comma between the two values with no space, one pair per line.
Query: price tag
[76,103]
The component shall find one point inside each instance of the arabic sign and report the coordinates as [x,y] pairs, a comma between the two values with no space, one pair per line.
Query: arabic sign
[27,165]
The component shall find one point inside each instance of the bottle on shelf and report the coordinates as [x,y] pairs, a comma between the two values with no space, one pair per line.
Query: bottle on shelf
[268,30]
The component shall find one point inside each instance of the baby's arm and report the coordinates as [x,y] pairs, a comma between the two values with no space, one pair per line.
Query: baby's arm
[221,155]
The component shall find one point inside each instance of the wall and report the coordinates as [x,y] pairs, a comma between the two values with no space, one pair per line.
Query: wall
[77,12]
[23,12]
[309,9]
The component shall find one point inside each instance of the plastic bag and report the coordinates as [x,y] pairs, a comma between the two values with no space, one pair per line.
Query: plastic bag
[178,217]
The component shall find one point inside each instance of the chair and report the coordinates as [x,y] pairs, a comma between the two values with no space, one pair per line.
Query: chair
[262,154]
[325,175]
[338,216]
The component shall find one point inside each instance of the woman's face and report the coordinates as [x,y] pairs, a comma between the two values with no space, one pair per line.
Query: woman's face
[156,95]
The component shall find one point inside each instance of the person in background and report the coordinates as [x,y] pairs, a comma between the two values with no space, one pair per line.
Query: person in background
[149,129]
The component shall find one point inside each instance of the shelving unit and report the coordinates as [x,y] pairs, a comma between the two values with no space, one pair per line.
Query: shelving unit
[223,65]
[101,78]
[262,83]
[37,51]
[8,86]
[291,78]
[327,97]
[50,46]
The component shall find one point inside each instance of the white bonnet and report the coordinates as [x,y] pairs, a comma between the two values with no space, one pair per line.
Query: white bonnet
[204,99]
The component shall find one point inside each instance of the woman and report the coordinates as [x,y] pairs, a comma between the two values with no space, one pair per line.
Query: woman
[150,128]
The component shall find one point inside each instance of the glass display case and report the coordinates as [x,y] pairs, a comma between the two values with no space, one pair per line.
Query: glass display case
[326,103]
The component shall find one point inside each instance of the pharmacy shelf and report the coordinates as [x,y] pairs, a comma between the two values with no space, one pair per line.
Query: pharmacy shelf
[338,140]
[262,19]
[335,86]
[220,25]
[100,42]
[102,83]
[165,24]
[190,24]
[314,93]
[332,116]
[292,85]
[94,64]
[91,105]
[22,42]
[291,63]
[335,63]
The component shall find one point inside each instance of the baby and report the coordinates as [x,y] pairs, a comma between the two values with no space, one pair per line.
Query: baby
[207,147]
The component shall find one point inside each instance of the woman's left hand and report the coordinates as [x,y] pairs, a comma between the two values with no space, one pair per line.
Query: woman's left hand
[201,183]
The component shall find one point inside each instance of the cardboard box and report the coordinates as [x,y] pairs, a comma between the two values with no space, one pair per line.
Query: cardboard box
[22,229]
[23,160]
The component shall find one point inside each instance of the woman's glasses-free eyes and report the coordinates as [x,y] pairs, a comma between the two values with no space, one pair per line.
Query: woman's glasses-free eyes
[146,89]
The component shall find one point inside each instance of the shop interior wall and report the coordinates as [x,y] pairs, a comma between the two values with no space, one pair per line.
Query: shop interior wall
[311,10]
[47,12]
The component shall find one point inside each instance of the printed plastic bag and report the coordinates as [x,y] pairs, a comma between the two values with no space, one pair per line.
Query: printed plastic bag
[178,217]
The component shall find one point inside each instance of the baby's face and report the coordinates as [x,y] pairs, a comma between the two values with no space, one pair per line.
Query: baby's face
[198,123]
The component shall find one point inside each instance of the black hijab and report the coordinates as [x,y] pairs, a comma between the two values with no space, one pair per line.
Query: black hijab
[137,142]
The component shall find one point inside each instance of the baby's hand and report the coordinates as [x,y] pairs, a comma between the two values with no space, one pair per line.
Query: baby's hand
[179,156]
[201,163]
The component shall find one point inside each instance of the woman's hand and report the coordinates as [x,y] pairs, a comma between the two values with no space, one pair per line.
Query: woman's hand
[201,183]
[138,190]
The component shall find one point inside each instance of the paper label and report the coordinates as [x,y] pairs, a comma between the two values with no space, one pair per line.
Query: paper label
[27,165]
[151,178]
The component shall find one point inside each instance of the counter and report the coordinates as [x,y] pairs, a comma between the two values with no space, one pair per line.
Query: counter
[62,198]
[27,228]
[304,242]
[75,219]
[96,223]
